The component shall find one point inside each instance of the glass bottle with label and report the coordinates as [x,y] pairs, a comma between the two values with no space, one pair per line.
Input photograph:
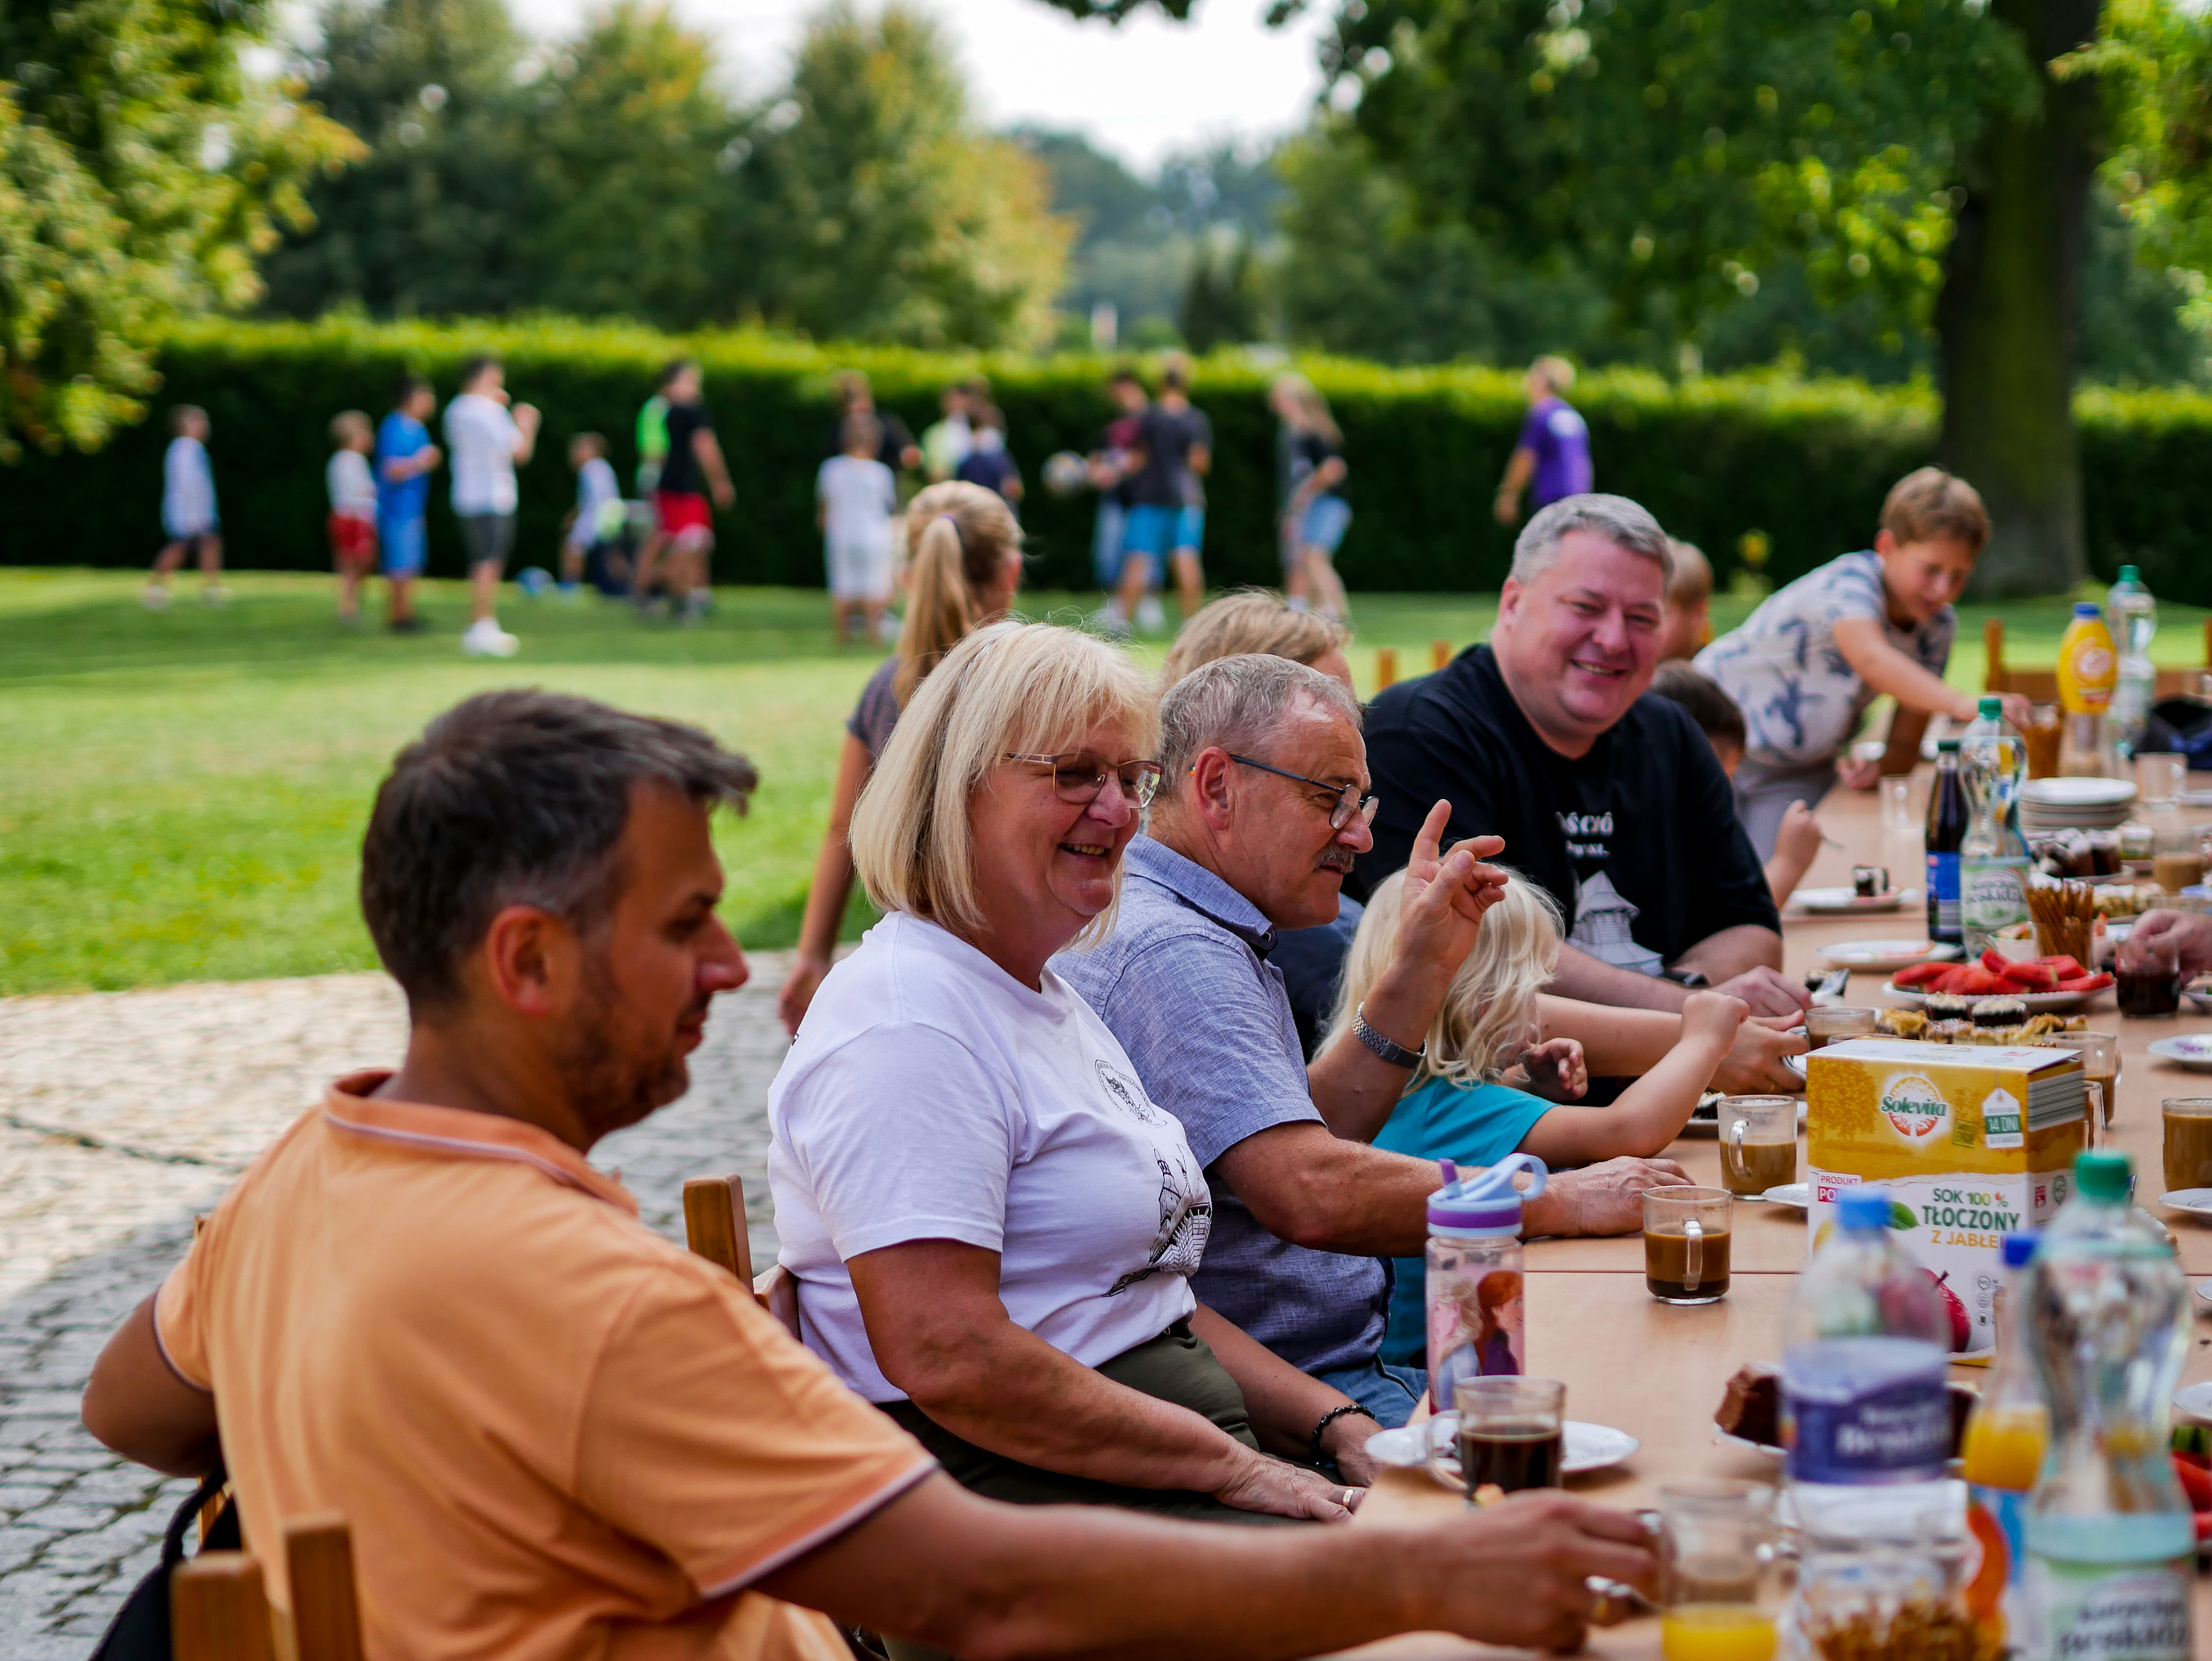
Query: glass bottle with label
[1993,861]
[1946,833]
[2111,1539]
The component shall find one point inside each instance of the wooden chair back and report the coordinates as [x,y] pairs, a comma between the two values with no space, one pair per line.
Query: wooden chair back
[2041,685]
[219,1609]
[714,1228]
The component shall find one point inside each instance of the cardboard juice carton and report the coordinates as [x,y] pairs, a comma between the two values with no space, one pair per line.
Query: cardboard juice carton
[1969,1141]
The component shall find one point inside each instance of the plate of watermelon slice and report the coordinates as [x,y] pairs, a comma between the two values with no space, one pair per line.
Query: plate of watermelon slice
[2055,984]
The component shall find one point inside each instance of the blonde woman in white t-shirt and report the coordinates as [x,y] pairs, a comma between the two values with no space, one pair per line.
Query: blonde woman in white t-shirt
[991,1225]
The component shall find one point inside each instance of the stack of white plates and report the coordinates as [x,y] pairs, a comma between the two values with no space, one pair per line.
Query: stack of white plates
[2075,804]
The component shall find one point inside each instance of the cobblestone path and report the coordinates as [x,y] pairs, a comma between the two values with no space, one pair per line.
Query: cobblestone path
[122,1114]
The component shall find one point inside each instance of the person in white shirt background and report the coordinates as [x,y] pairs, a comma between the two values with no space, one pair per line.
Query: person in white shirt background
[858,495]
[598,517]
[487,442]
[188,514]
[352,523]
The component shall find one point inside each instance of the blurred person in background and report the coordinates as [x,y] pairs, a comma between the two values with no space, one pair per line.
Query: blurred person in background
[488,442]
[352,522]
[1167,515]
[965,568]
[188,511]
[895,446]
[988,463]
[1551,460]
[945,442]
[1112,464]
[1688,627]
[856,497]
[1314,516]
[591,541]
[405,459]
[693,469]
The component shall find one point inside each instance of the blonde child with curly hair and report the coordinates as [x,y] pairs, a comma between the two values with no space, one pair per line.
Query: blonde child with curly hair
[1490,1085]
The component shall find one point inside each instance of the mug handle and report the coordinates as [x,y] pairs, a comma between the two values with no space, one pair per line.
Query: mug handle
[1447,1423]
[1693,1265]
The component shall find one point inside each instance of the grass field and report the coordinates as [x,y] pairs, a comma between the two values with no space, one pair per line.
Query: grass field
[182,794]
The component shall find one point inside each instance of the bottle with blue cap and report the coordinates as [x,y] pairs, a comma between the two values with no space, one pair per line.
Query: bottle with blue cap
[2111,1540]
[1474,1287]
[1867,1421]
[2006,1441]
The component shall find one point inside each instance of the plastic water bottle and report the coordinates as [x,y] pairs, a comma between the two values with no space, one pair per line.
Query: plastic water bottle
[2111,1543]
[1882,1532]
[1474,1288]
[2132,614]
[1993,861]
[2005,1443]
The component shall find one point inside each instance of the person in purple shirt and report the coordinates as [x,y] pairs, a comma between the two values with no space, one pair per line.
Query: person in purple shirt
[1554,446]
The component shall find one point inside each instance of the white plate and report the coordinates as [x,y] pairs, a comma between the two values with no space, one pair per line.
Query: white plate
[2192,1050]
[2197,1202]
[2195,1400]
[1796,1196]
[1588,1447]
[2054,1003]
[1796,1064]
[1884,955]
[1722,1438]
[2076,793]
[2204,1290]
[2201,1000]
[1841,902]
[2196,799]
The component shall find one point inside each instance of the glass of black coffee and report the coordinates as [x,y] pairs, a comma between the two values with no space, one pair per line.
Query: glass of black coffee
[1511,1433]
[1686,1243]
[2150,976]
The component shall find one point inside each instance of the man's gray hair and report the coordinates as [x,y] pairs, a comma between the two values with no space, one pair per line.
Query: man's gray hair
[1239,703]
[1623,523]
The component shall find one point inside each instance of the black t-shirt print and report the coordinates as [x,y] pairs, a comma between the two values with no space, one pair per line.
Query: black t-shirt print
[1638,840]
[681,474]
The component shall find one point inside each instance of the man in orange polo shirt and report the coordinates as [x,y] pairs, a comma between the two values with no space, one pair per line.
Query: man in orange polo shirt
[555,1433]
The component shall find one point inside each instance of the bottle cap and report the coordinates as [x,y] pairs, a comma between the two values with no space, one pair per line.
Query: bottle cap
[2104,1174]
[2018,1248]
[1992,708]
[2131,574]
[1487,1204]
[2087,608]
[1949,745]
[1861,1208]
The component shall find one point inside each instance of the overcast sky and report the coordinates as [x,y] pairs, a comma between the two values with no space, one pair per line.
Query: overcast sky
[1140,90]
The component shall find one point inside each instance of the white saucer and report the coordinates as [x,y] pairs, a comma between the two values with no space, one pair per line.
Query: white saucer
[1722,1438]
[1587,1447]
[2197,1202]
[2076,793]
[2204,1290]
[2195,1400]
[1795,1063]
[1842,901]
[1796,1196]
[1885,955]
[2190,1049]
[2200,1002]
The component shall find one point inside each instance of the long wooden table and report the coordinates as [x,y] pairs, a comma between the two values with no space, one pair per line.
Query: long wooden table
[1658,1371]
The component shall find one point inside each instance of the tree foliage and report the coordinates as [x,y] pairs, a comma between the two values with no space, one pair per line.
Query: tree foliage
[141,170]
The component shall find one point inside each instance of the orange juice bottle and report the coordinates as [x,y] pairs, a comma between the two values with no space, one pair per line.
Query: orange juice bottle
[2005,1443]
[2088,667]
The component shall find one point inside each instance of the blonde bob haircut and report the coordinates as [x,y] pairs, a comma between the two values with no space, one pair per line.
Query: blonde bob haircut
[1251,621]
[1488,1015]
[1030,688]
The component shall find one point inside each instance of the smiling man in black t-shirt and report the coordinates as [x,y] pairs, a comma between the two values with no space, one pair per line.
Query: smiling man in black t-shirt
[1610,799]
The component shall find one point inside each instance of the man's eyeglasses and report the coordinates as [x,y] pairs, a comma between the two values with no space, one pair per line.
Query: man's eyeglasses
[1077,776]
[1349,801]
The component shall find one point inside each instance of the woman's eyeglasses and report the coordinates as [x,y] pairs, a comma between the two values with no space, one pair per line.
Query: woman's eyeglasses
[1081,777]
[1349,801]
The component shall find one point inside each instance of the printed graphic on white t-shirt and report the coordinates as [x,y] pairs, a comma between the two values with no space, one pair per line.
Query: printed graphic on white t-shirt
[1186,1201]
[1604,917]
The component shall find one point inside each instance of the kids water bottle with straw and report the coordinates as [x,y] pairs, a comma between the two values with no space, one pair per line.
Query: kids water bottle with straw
[1474,1280]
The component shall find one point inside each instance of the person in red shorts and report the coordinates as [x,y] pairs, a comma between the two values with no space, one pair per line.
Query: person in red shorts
[352,523]
[680,550]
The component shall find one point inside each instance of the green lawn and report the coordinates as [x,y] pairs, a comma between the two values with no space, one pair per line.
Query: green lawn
[181,795]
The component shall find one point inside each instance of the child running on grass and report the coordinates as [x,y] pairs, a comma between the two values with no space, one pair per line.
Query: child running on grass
[858,495]
[352,522]
[1797,841]
[188,512]
[599,516]
[1485,1088]
[405,459]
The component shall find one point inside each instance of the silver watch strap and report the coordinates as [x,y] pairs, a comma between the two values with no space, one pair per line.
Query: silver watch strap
[1389,1049]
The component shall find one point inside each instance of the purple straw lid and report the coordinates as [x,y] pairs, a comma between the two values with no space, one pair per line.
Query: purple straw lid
[1487,1204]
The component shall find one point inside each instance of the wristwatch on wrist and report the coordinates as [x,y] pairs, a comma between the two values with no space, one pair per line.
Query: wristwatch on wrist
[1389,1049]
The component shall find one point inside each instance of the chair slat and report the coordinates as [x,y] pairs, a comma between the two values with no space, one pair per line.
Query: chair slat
[326,1612]
[714,1223]
[217,1610]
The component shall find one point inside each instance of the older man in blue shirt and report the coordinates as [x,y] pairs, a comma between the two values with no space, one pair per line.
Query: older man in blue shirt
[1261,811]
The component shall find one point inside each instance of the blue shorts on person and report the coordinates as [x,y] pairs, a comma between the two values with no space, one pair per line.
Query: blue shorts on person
[400,546]
[1106,543]
[1189,529]
[1327,519]
[1149,529]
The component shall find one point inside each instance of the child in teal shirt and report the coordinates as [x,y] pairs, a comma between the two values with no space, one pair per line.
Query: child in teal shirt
[1493,1085]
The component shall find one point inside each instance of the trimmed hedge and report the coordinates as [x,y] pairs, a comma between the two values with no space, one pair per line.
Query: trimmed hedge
[1804,462]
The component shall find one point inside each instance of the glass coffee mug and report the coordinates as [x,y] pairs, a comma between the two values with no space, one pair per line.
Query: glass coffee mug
[1686,1243]
[1758,1143]
[2150,976]
[1720,1571]
[2187,1141]
[1833,1023]
[1511,1433]
[2100,1069]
